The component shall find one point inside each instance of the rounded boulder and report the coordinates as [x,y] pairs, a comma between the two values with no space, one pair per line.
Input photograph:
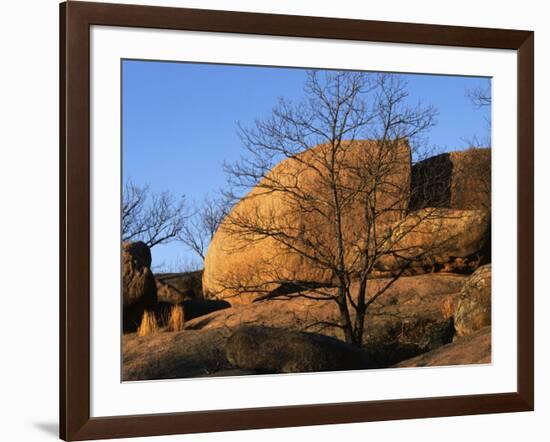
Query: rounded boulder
[473,311]
[275,350]
[139,292]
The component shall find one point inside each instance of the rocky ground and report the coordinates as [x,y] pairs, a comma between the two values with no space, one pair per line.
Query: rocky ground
[413,325]
[249,311]
[170,355]
[473,349]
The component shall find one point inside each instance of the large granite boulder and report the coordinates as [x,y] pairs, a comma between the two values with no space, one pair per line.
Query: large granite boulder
[455,180]
[436,239]
[473,310]
[139,292]
[284,351]
[286,204]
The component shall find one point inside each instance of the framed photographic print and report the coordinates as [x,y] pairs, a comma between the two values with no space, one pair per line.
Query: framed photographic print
[273,220]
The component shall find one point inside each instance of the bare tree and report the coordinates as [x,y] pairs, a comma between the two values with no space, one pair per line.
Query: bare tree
[477,165]
[480,96]
[345,199]
[199,228]
[154,218]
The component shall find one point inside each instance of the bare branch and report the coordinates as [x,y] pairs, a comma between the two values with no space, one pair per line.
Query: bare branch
[154,218]
[480,96]
[198,230]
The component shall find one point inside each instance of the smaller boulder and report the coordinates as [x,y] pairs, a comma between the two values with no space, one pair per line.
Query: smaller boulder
[433,238]
[473,310]
[168,293]
[139,291]
[456,180]
[188,284]
[275,350]
[140,253]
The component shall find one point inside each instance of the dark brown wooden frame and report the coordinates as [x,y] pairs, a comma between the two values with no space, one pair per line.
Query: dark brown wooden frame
[75,21]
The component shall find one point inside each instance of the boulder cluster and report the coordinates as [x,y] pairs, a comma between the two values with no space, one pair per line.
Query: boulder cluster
[157,295]
[437,313]
[444,201]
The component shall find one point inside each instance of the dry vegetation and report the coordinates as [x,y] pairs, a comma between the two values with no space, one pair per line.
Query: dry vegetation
[176,320]
[149,325]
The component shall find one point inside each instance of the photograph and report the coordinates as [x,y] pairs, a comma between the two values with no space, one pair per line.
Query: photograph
[281,220]
[239,221]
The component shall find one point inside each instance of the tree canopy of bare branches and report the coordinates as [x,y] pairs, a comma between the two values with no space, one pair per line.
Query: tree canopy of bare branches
[480,96]
[199,229]
[346,199]
[154,218]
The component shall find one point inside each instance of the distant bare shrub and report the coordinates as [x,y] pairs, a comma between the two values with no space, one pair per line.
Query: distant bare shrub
[149,325]
[151,217]
[176,320]
[199,229]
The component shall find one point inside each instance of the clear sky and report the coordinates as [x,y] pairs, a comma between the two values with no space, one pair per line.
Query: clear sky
[179,123]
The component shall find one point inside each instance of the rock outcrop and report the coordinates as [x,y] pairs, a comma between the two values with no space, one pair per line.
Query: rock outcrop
[439,222]
[473,310]
[282,351]
[413,317]
[410,318]
[188,284]
[139,291]
[167,293]
[242,258]
[473,349]
[455,180]
[434,239]
[174,355]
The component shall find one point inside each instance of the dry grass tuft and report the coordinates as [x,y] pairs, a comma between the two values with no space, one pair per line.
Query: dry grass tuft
[149,325]
[176,320]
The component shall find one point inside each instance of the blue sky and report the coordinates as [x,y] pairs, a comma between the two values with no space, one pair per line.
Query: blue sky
[179,122]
